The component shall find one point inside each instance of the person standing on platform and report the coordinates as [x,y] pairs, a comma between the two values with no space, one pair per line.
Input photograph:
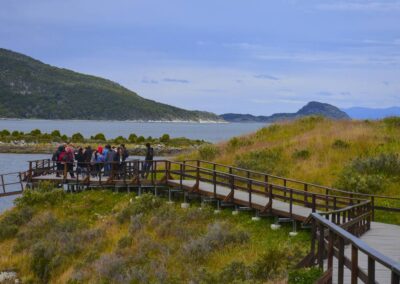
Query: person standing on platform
[148,163]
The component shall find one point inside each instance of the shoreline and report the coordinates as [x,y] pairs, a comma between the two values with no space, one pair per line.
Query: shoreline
[138,150]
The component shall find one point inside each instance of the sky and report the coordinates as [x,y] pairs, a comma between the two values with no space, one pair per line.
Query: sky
[253,56]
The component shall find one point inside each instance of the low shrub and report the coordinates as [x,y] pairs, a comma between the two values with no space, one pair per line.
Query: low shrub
[218,235]
[369,175]
[40,196]
[340,144]
[392,122]
[43,260]
[208,152]
[265,161]
[12,220]
[301,154]
[271,265]
[136,223]
[304,275]
[146,203]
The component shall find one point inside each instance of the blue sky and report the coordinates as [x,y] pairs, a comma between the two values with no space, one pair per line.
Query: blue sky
[254,56]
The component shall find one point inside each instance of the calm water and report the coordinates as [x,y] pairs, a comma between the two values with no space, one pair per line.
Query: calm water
[212,132]
[14,163]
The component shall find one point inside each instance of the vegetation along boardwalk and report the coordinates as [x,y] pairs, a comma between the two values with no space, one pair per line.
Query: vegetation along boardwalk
[346,242]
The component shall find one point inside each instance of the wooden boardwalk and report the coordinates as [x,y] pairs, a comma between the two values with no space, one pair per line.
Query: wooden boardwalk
[345,241]
[384,238]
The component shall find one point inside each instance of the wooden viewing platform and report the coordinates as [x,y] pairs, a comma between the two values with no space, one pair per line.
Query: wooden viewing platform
[345,242]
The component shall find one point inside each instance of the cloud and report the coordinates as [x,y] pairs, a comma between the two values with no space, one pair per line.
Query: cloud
[325,94]
[361,6]
[149,81]
[173,80]
[268,77]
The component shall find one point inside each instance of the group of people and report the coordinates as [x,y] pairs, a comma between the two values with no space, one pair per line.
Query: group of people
[102,160]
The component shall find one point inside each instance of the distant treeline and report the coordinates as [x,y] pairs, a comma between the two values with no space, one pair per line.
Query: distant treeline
[37,136]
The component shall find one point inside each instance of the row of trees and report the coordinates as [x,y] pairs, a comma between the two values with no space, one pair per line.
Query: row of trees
[56,136]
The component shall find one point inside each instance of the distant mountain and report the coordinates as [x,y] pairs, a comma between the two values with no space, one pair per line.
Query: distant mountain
[32,89]
[372,113]
[312,108]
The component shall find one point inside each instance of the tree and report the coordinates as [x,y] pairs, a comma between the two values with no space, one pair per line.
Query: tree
[77,137]
[64,138]
[140,139]
[120,140]
[165,138]
[36,132]
[132,138]
[55,133]
[100,137]
[5,132]
[15,133]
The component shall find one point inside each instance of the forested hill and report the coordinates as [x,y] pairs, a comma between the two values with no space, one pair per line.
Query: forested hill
[32,89]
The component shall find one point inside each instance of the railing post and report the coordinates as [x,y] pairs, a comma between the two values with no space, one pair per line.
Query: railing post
[341,261]
[326,199]
[330,253]
[371,270]
[305,195]
[181,176]
[313,203]
[313,239]
[249,187]
[266,185]
[284,185]
[30,172]
[2,183]
[321,246]
[373,208]
[198,172]
[291,202]
[354,264]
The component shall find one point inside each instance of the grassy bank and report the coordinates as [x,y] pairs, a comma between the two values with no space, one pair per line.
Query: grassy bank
[105,237]
[360,156]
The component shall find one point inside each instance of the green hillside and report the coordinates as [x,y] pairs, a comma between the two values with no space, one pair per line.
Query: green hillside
[359,156]
[32,89]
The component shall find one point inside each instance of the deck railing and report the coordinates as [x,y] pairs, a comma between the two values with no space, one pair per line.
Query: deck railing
[378,202]
[332,238]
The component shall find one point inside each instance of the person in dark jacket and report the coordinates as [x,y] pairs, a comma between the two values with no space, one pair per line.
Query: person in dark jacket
[55,158]
[148,163]
[80,158]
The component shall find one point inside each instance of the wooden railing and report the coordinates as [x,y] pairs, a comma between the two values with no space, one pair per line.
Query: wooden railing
[378,202]
[315,201]
[332,238]
[11,183]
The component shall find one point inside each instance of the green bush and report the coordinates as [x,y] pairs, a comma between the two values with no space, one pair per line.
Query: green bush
[12,220]
[55,133]
[77,137]
[271,265]
[36,132]
[132,138]
[5,132]
[304,275]
[40,196]
[144,204]
[301,154]
[42,260]
[392,122]
[120,140]
[264,160]
[369,175]
[208,152]
[140,139]
[165,138]
[340,144]
[100,137]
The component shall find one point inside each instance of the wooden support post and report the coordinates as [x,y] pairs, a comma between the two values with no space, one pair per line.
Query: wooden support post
[354,264]
[373,208]
[291,203]
[395,278]
[330,254]
[305,194]
[284,185]
[326,199]
[341,261]
[313,240]
[313,203]
[2,183]
[30,172]
[249,187]
[321,246]
[371,270]
[266,185]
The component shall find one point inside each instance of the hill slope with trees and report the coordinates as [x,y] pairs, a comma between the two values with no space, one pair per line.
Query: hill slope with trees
[32,89]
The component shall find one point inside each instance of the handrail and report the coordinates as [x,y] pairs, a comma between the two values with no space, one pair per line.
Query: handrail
[338,236]
[298,181]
